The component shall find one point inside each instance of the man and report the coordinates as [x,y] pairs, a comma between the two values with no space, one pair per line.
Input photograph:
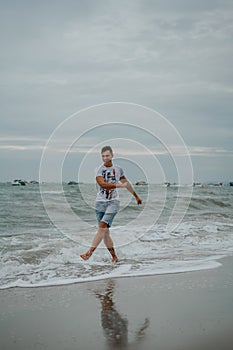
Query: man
[107,201]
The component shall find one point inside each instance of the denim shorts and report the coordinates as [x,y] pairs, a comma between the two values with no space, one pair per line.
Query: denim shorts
[106,211]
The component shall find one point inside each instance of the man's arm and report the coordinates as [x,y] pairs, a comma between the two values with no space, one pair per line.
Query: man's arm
[109,185]
[130,189]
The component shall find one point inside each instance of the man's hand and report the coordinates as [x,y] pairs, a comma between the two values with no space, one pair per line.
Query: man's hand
[138,199]
[126,184]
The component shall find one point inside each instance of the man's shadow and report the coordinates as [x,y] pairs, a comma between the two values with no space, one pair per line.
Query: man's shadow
[115,327]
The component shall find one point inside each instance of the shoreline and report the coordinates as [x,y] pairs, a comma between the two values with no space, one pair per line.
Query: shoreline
[172,311]
[213,261]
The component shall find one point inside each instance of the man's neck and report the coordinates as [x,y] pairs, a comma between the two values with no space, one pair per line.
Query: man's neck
[108,165]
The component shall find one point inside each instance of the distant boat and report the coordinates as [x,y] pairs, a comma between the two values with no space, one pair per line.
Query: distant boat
[216,184]
[72,183]
[202,186]
[18,183]
[141,183]
[198,184]
[166,184]
[231,183]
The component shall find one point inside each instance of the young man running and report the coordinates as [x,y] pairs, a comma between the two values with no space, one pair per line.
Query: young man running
[107,201]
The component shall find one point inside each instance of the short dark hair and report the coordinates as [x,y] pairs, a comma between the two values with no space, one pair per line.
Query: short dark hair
[106,148]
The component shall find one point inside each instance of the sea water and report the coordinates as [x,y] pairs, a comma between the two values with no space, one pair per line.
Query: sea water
[45,228]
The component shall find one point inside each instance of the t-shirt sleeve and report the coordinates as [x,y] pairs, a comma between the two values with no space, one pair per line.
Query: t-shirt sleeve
[121,172]
[98,171]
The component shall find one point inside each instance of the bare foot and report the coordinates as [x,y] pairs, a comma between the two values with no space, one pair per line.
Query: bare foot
[85,256]
[115,259]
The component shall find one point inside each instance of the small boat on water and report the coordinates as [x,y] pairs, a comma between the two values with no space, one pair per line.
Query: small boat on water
[72,183]
[198,184]
[18,183]
[141,183]
[218,184]
[166,184]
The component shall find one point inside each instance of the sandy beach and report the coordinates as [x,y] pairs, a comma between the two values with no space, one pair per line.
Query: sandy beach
[176,311]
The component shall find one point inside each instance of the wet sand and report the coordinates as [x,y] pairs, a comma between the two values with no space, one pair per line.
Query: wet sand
[192,310]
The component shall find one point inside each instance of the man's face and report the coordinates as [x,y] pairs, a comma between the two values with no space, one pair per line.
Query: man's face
[107,157]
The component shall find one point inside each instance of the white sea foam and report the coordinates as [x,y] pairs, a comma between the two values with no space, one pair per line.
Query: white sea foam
[122,270]
[59,263]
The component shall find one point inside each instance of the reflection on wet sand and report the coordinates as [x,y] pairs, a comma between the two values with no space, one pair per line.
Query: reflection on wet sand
[114,325]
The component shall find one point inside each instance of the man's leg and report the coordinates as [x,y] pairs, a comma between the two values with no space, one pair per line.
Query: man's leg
[103,227]
[109,244]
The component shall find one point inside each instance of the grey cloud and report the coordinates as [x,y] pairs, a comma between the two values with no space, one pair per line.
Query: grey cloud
[174,56]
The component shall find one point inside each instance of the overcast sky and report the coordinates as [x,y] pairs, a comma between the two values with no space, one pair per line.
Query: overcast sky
[174,56]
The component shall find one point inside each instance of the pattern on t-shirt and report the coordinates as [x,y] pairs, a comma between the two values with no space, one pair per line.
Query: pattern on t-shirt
[110,175]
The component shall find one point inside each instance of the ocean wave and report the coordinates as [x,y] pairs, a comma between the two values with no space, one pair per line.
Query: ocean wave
[126,269]
[198,202]
[35,253]
[192,246]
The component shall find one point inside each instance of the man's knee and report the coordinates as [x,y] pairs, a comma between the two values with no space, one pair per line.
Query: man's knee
[103,224]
